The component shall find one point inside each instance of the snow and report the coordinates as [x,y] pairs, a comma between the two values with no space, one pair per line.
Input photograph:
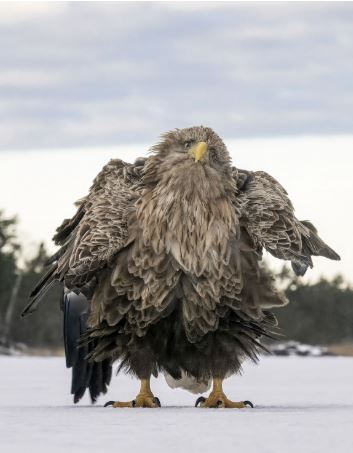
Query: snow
[301,405]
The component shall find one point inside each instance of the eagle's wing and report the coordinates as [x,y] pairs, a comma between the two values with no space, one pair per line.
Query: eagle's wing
[95,233]
[268,216]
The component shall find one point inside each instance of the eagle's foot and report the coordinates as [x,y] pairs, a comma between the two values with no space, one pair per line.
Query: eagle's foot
[147,400]
[218,399]
[144,399]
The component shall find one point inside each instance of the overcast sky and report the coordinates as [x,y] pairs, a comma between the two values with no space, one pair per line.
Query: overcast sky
[100,74]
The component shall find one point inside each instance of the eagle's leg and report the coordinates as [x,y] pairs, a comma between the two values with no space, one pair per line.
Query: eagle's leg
[145,398]
[217,398]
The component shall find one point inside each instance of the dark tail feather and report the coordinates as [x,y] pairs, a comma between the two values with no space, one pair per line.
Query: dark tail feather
[315,246]
[44,284]
[85,374]
[100,379]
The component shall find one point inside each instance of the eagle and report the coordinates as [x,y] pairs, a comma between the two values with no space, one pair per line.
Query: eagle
[167,253]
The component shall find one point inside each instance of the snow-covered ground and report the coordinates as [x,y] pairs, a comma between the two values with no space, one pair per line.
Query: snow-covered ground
[302,405]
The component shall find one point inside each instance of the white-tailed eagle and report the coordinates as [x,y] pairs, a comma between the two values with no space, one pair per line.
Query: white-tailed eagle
[167,251]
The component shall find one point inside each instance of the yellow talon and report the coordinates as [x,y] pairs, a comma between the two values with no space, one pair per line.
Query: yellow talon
[145,398]
[120,404]
[218,399]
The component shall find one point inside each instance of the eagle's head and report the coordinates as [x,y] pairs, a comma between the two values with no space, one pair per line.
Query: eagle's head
[194,158]
[193,145]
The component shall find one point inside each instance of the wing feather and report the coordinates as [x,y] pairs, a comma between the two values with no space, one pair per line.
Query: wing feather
[96,232]
[268,216]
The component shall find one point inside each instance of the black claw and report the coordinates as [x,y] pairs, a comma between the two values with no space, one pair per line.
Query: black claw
[249,403]
[156,401]
[133,403]
[109,403]
[199,400]
[219,403]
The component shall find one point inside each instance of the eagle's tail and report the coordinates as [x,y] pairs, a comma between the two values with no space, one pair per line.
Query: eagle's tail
[94,376]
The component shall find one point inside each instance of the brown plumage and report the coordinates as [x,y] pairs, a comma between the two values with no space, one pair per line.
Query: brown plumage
[168,252]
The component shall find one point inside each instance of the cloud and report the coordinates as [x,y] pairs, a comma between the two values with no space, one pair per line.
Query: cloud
[18,12]
[30,78]
[102,73]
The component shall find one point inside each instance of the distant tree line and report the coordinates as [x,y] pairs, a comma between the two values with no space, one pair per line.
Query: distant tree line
[319,313]
[44,327]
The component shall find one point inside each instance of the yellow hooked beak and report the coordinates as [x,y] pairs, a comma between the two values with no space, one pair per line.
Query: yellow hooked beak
[198,151]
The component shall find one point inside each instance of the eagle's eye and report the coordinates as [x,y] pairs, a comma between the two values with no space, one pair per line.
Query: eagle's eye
[188,143]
